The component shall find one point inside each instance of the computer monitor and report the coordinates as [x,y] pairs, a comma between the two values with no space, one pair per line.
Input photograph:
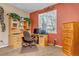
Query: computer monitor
[43,32]
[36,31]
[39,31]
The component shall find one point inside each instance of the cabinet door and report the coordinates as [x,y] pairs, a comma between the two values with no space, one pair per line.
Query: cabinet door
[15,41]
[43,40]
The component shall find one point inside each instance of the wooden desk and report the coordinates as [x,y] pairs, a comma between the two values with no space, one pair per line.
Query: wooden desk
[42,39]
[15,40]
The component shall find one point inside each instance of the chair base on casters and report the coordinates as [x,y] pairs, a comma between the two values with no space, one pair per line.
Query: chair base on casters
[28,44]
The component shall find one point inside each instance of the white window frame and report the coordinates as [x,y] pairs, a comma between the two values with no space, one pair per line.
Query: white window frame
[51,15]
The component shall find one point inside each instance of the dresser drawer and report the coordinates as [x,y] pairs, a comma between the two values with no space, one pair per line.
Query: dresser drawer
[68,38]
[68,41]
[68,26]
[68,33]
[67,48]
[67,44]
[66,52]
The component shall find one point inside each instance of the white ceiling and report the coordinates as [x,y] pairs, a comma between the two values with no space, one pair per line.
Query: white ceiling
[30,7]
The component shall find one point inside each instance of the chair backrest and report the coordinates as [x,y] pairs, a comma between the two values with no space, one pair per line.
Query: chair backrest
[27,36]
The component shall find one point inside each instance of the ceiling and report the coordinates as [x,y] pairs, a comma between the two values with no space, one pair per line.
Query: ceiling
[30,7]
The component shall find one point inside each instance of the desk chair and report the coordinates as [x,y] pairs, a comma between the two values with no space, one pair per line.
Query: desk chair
[28,39]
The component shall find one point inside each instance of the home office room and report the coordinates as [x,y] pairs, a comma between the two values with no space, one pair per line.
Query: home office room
[20,32]
[39,29]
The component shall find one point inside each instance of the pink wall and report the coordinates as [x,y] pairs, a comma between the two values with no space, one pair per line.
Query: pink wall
[66,12]
[69,12]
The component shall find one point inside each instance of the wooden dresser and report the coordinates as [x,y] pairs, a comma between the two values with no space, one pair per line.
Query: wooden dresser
[71,38]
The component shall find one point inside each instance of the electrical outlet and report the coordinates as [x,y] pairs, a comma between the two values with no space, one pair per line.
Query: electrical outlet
[1,40]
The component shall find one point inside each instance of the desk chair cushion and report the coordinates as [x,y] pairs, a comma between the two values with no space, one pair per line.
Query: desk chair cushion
[27,36]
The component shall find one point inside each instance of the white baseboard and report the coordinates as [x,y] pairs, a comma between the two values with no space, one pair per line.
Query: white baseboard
[3,46]
[55,45]
[58,46]
[50,44]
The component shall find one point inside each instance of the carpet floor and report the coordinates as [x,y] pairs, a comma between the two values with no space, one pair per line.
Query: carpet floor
[33,51]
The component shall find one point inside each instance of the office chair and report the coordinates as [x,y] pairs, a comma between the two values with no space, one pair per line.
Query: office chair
[28,39]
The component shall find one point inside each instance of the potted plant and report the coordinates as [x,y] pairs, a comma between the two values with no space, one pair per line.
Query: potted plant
[14,16]
[28,20]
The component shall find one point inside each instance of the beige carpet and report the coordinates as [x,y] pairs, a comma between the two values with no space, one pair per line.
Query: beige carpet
[34,51]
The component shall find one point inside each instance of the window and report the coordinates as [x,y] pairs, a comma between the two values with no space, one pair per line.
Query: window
[48,21]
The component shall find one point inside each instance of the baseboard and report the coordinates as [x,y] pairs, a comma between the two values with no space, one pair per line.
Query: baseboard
[58,46]
[3,46]
[50,44]
[55,45]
